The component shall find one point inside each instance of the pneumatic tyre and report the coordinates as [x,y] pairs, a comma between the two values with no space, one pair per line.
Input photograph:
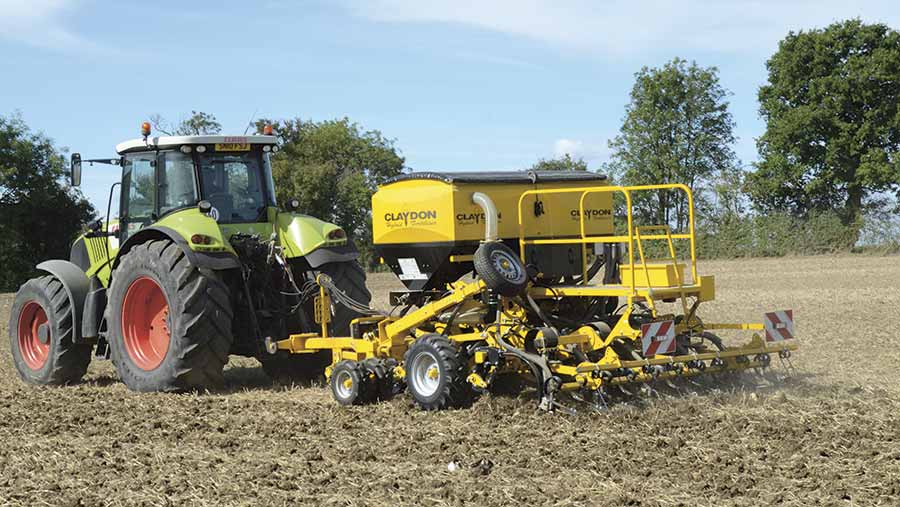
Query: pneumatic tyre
[169,322]
[41,335]
[436,374]
[500,268]
[287,368]
[351,384]
[350,278]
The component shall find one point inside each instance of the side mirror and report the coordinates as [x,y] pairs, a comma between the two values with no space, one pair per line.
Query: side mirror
[75,170]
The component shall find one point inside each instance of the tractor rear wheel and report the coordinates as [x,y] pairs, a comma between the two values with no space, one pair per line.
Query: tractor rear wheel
[41,335]
[169,321]
[350,278]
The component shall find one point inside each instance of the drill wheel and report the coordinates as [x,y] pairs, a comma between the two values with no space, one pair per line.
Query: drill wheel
[351,384]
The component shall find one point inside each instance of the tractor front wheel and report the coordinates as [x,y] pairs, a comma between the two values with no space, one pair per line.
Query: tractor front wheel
[349,278]
[41,335]
[169,321]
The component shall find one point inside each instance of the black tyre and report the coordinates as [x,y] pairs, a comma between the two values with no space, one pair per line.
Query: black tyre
[436,374]
[351,384]
[287,368]
[169,322]
[501,268]
[381,371]
[349,278]
[41,335]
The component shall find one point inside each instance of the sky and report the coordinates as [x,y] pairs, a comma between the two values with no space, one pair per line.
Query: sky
[461,85]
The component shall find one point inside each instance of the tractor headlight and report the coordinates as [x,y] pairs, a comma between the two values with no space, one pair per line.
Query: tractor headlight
[267,148]
[201,149]
[186,149]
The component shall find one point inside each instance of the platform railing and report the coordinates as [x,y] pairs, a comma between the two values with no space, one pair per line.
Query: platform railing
[630,236]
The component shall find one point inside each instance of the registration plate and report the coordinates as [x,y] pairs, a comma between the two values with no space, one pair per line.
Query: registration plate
[233,147]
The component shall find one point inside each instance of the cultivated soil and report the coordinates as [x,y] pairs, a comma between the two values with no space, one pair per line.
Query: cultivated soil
[829,435]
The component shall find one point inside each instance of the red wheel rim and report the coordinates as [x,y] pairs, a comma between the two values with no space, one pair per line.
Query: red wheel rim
[145,329]
[33,351]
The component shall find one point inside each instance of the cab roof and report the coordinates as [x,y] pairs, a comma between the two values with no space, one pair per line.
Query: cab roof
[163,142]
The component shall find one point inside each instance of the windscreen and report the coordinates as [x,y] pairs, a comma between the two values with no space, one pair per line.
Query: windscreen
[235,183]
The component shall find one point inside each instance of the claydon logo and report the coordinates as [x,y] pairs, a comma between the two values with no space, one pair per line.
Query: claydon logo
[407,218]
[592,214]
[474,218]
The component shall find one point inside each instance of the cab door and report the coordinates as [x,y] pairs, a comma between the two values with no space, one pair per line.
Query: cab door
[137,208]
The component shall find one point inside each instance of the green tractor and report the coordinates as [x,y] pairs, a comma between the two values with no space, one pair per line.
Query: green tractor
[200,264]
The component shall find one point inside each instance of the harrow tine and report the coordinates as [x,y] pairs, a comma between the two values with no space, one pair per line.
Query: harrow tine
[649,391]
[600,404]
[785,357]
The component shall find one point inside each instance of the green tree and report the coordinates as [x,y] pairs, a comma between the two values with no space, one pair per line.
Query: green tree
[333,167]
[677,129]
[563,163]
[832,121]
[197,124]
[39,215]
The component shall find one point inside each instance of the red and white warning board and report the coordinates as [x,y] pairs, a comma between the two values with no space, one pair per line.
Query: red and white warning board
[658,338]
[779,325]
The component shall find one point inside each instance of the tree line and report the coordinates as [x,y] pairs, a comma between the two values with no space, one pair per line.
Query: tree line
[828,159]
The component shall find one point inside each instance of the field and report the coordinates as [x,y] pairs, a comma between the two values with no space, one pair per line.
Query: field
[830,435]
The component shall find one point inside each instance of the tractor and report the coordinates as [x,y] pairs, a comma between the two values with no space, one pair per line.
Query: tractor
[201,263]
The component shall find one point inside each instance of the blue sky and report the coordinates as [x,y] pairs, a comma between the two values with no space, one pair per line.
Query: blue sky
[461,85]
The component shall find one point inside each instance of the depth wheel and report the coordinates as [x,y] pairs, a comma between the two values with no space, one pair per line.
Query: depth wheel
[351,385]
[436,374]
[40,335]
[169,322]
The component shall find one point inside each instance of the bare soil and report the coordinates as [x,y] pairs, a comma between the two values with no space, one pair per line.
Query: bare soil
[830,435]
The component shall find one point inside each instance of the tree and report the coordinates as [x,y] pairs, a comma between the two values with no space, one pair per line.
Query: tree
[677,129]
[333,168]
[39,215]
[564,163]
[198,124]
[832,136]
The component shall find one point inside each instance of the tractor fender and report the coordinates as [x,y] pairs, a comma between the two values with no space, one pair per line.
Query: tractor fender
[215,261]
[324,255]
[76,285]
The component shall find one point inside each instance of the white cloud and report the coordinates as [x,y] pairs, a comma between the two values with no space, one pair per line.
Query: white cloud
[589,151]
[563,147]
[622,27]
[40,23]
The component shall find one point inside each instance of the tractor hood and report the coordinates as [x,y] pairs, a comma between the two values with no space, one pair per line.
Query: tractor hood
[302,234]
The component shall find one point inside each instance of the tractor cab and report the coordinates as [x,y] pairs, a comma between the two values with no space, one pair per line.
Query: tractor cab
[163,175]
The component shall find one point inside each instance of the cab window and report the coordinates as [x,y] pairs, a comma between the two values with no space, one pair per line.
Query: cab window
[177,187]
[138,181]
